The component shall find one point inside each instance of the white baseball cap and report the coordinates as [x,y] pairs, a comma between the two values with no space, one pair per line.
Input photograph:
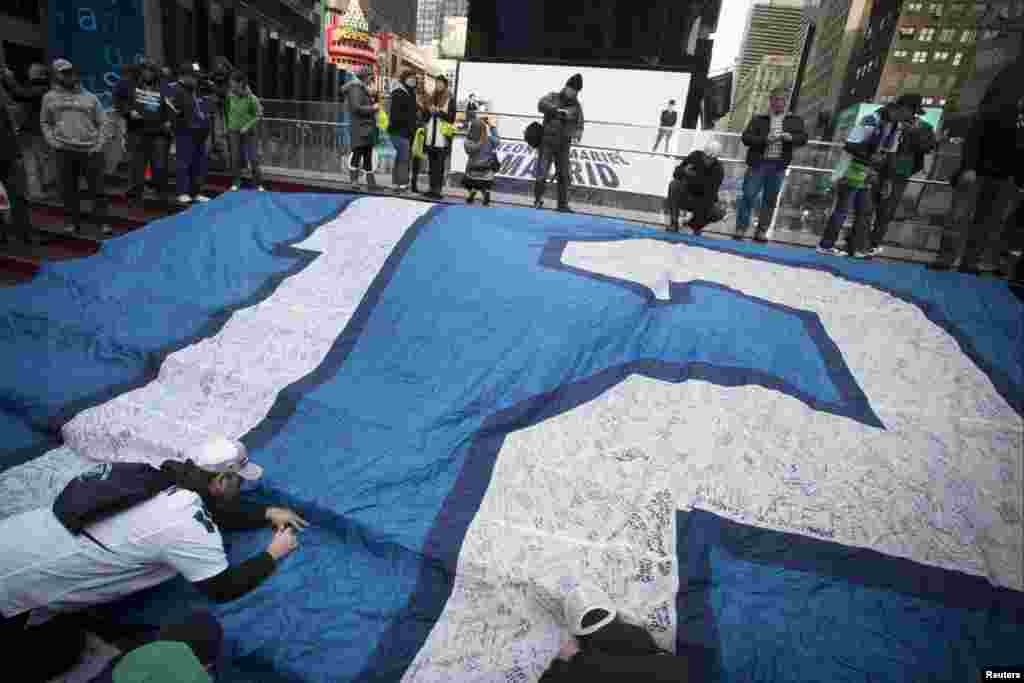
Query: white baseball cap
[224,455]
[584,599]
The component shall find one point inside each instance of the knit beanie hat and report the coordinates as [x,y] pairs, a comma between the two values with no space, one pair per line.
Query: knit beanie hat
[576,82]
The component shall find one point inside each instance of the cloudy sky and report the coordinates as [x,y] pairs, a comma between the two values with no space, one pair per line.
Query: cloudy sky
[731,23]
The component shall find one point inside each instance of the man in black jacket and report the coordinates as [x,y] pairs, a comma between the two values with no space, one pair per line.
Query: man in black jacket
[770,139]
[403,120]
[669,118]
[176,532]
[149,130]
[563,125]
[991,174]
[39,161]
[694,188]
[12,175]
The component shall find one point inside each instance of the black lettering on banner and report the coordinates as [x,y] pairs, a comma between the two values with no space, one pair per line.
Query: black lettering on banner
[590,174]
[577,173]
[510,164]
[608,176]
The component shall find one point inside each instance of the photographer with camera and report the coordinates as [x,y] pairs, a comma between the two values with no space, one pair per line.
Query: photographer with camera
[190,110]
[563,125]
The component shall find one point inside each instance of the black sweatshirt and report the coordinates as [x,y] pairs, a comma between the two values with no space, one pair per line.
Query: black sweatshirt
[236,581]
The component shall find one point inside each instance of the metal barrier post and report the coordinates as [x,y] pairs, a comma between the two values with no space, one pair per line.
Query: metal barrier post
[778,201]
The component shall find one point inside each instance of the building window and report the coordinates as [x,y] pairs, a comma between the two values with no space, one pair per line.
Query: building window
[935,9]
[926,35]
[957,8]
[968,36]
[940,56]
[948,35]
[899,54]
[920,57]
[907,32]
[915,6]
[958,58]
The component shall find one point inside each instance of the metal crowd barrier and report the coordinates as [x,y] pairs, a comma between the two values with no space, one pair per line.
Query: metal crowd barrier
[320,148]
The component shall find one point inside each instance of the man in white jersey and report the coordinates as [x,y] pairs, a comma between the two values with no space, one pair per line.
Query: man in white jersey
[44,569]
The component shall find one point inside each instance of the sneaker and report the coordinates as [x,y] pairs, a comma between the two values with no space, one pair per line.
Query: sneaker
[106,229]
[400,189]
[202,198]
[471,199]
[538,204]
[876,251]
[760,237]
[833,251]
[860,255]
[260,188]
[184,199]
[234,188]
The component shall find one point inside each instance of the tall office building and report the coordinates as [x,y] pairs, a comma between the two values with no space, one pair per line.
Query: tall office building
[772,30]
[838,26]
[427,12]
[919,47]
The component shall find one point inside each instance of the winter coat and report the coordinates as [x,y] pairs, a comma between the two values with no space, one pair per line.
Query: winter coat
[917,140]
[432,125]
[31,96]
[558,131]
[404,118]
[73,120]
[707,180]
[995,143]
[191,112]
[148,102]
[363,114]
[9,148]
[480,154]
[242,112]
[755,137]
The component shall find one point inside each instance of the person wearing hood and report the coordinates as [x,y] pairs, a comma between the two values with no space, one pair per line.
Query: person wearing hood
[242,113]
[694,188]
[563,125]
[403,120]
[669,118]
[177,531]
[190,111]
[11,174]
[440,109]
[363,115]
[142,105]
[74,124]
[40,171]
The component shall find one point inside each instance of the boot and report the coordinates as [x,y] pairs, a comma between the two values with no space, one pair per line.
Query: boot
[354,177]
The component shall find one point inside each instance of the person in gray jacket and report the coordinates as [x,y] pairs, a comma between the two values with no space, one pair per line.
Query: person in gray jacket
[363,111]
[74,124]
[563,125]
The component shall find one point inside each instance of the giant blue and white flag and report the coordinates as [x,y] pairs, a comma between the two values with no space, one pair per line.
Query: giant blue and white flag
[809,466]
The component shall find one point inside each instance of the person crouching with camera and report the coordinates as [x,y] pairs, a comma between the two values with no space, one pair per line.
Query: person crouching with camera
[694,188]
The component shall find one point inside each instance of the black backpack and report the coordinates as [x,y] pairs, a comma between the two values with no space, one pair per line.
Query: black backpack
[534,134]
[106,489]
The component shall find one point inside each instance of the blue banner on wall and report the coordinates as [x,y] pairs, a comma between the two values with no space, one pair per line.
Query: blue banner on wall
[97,36]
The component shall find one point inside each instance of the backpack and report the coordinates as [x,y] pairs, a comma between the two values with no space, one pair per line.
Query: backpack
[106,489]
[534,134]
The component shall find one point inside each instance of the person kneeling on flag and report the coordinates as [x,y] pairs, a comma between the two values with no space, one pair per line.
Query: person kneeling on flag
[124,527]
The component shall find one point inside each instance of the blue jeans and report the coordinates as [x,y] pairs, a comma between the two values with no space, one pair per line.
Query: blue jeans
[861,199]
[762,178]
[403,154]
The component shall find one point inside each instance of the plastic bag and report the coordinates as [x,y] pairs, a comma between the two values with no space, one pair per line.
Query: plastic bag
[418,144]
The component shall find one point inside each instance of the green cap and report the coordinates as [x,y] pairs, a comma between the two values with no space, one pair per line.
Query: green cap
[161,662]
